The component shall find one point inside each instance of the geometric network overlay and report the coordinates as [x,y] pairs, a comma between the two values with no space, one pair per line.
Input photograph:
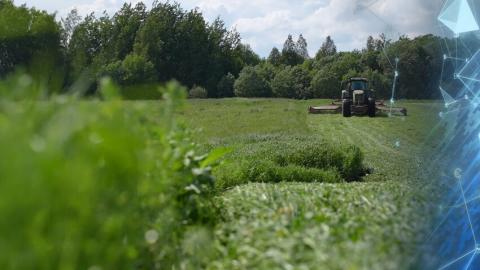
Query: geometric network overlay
[469,75]
[454,242]
[458,16]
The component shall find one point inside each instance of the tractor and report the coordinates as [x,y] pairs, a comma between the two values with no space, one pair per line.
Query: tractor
[357,99]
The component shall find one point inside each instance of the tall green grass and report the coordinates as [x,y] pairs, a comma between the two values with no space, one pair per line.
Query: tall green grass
[284,158]
[90,185]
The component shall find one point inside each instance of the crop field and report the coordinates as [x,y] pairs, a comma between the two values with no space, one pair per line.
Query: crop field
[315,222]
[278,189]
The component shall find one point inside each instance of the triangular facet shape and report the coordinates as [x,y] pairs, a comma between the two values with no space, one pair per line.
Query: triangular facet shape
[451,11]
[447,98]
[471,70]
[458,16]
[466,19]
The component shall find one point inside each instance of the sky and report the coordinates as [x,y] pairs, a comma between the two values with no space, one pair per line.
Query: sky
[264,24]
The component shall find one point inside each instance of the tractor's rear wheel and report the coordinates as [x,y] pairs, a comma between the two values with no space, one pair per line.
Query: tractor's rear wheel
[347,108]
[372,110]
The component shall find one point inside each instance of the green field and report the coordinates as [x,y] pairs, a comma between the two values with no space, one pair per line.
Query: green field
[372,223]
[122,184]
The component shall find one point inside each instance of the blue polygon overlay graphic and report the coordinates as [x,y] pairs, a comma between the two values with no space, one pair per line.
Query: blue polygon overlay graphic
[454,240]
[457,15]
[471,71]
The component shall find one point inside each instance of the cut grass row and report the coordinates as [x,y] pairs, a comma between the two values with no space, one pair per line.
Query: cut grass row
[372,224]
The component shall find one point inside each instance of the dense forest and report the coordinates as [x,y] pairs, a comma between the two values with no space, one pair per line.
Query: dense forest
[141,47]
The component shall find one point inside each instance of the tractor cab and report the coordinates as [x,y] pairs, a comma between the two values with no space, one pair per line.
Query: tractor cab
[357,91]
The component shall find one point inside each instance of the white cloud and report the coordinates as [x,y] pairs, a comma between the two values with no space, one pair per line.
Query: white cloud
[96,6]
[266,23]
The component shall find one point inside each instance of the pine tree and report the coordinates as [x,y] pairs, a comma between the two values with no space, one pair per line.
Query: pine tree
[370,44]
[328,48]
[275,57]
[302,45]
[289,46]
[381,42]
[290,56]
[68,26]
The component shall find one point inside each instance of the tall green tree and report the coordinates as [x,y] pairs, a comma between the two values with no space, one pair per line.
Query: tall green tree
[126,23]
[326,84]
[250,83]
[292,82]
[382,42]
[179,44]
[226,54]
[328,48]
[84,46]
[69,23]
[275,57]
[302,47]
[290,56]
[370,44]
[247,55]
[29,38]
[369,57]
[414,68]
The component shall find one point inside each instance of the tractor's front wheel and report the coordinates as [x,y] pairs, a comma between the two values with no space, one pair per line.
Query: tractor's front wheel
[347,108]
[372,110]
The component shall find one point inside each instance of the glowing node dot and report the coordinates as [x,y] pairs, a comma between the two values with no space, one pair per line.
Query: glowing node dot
[444,57]
[441,114]
[479,136]
[397,144]
[396,73]
[458,173]
[151,236]
[392,100]
[466,97]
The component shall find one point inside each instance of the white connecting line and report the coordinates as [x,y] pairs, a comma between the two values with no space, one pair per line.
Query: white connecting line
[476,250]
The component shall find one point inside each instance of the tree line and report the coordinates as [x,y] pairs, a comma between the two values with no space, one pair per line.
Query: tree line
[291,73]
[141,47]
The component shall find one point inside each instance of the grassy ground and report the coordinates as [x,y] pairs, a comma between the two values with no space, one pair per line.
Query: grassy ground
[297,191]
[368,224]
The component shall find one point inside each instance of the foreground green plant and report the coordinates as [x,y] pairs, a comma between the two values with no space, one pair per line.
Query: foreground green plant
[88,185]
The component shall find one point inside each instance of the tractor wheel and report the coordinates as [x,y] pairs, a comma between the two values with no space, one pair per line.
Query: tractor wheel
[347,108]
[372,110]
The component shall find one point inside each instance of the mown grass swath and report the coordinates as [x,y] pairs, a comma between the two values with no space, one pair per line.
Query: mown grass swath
[273,159]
